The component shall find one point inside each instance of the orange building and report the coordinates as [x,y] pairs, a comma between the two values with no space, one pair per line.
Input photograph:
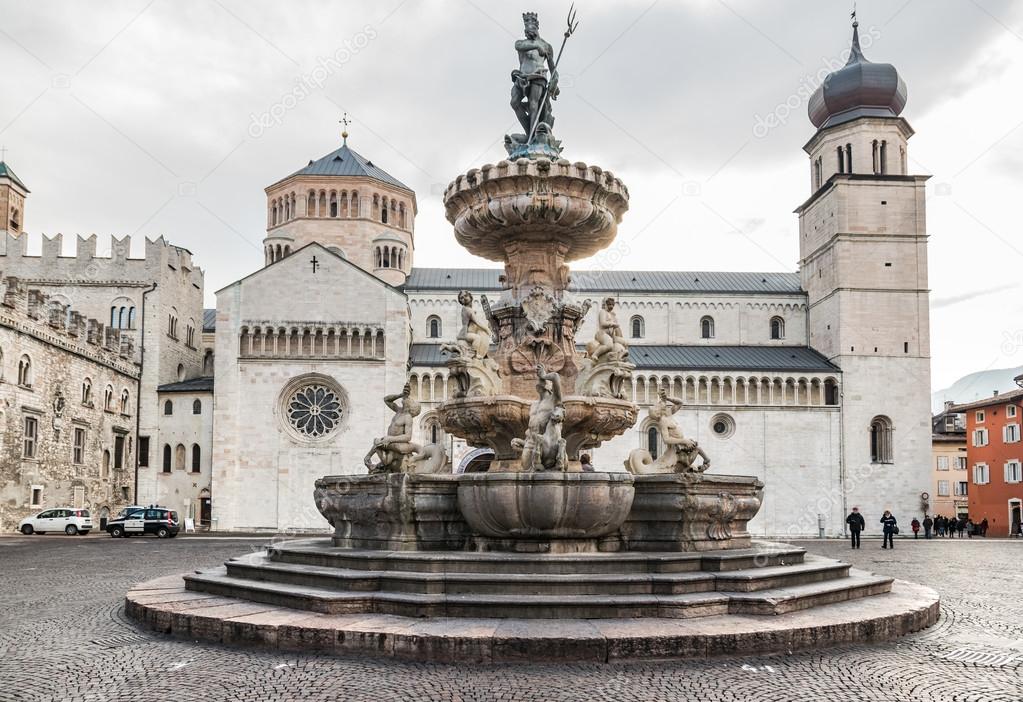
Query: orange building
[994,454]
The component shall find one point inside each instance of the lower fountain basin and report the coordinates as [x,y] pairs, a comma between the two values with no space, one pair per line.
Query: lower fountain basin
[545,506]
[396,512]
[691,512]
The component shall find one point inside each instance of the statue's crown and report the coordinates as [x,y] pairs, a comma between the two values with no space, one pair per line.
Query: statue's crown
[530,17]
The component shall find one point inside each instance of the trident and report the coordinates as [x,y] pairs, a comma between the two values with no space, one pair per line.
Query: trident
[572,26]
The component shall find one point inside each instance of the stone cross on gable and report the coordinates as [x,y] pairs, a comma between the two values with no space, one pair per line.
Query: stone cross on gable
[315,263]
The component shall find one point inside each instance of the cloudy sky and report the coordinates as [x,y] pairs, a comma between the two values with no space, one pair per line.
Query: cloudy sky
[153,117]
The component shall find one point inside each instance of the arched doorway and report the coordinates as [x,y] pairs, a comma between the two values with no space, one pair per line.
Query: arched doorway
[104,515]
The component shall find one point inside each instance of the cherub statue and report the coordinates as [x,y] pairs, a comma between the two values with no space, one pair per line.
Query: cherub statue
[544,448]
[608,341]
[680,453]
[471,367]
[393,449]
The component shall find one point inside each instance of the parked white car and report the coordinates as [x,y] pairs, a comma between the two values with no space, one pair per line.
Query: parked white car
[69,520]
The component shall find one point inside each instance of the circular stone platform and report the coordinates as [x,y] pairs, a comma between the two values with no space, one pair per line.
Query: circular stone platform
[165,605]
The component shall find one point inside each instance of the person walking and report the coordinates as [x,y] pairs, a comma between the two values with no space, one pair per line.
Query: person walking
[915,526]
[962,526]
[585,461]
[950,527]
[928,525]
[856,525]
[983,527]
[889,528]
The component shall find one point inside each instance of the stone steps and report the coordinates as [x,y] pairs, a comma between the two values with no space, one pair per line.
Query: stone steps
[546,606]
[320,552]
[259,567]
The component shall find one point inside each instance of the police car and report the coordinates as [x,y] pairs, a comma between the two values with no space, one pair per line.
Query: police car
[150,520]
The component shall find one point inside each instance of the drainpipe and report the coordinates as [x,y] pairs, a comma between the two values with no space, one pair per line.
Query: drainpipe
[138,394]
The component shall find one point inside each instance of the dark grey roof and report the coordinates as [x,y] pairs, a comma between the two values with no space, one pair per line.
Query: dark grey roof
[345,162]
[209,320]
[678,357]
[484,279]
[193,385]
[6,172]
[861,88]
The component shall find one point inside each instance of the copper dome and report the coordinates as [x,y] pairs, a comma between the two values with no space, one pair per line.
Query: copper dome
[858,89]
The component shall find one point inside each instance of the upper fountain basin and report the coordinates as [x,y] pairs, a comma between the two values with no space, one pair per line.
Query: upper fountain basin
[515,202]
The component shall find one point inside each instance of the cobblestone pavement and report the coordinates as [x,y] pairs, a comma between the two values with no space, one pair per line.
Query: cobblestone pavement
[63,636]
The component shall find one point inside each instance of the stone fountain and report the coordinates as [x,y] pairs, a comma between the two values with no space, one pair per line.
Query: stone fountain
[536,537]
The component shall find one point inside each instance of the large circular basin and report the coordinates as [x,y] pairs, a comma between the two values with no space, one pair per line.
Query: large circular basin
[545,505]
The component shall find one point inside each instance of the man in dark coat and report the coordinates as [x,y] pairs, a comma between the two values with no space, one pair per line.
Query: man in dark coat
[888,527]
[856,525]
[928,525]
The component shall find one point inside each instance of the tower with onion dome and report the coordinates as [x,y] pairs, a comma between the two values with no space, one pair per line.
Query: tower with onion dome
[863,264]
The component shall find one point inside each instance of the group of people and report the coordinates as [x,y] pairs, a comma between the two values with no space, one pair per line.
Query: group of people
[950,527]
[940,526]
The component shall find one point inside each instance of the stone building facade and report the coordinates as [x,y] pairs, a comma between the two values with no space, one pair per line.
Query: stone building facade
[155,301]
[68,391]
[949,491]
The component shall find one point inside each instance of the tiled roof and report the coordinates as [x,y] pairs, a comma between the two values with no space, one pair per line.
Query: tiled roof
[193,385]
[999,399]
[345,162]
[484,279]
[678,357]
[209,320]
[6,172]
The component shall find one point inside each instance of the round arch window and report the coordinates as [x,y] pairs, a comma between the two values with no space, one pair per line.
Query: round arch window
[313,407]
[722,425]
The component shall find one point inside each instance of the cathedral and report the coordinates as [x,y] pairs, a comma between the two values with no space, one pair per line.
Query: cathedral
[816,381]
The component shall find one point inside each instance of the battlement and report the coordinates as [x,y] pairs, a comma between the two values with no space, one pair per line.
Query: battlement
[118,265]
[33,312]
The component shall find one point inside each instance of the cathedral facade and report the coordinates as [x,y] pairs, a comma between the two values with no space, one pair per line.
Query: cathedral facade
[816,380]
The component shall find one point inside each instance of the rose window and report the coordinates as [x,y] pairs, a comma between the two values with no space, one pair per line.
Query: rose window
[314,410]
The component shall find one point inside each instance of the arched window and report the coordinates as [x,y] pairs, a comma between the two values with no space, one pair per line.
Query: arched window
[653,442]
[181,372]
[196,458]
[881,440]
[108,399]
[179,457]
[105,469]
[87,392]
[848,158]
[166,458]
[707,328]
[197,407]
[383,212]
[777,328]
[168,408]
[433,327]
[841,160]
[131,317]
[638,327]
[124,401]
[25,372]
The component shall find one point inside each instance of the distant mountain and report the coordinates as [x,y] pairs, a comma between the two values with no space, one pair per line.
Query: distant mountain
[976,386]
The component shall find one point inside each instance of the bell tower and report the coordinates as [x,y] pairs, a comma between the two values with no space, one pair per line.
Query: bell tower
[863,264]
[12,200]
[351,206]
